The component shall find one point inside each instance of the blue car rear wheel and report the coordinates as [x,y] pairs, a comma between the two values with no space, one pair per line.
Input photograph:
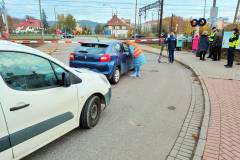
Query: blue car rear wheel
[116,76]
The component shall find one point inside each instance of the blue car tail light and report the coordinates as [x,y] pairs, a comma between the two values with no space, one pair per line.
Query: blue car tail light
[105,58]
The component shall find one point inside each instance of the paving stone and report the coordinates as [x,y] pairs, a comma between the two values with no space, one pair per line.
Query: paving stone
[182,157]
[173,153]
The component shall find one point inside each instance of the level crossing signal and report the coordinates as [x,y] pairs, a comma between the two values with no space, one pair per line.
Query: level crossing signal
[198,22]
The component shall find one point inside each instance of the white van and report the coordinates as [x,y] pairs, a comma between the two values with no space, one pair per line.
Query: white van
[41,99]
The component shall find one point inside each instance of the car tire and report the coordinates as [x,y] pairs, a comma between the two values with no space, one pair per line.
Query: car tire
[91,113]
[116,76]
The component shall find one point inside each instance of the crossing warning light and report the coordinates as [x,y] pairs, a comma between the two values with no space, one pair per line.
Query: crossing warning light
[194,22]
[201,22]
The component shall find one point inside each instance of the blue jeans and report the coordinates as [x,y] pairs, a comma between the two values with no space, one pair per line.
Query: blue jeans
[137,70]
[171,56]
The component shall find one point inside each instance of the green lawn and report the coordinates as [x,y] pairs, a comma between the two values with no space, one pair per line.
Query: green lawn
[33,37]
[155,46]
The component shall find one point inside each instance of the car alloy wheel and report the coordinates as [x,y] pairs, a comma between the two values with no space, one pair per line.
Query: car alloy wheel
[116,75]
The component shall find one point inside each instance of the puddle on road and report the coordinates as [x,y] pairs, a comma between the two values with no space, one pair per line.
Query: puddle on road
[154,70]
[172,108]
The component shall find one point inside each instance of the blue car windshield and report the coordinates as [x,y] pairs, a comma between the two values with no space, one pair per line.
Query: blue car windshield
[93,48]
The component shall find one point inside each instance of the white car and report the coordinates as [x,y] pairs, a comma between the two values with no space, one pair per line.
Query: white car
[41,99]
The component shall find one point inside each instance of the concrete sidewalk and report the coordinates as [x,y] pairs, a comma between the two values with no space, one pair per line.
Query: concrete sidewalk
[207,69]
[220,132]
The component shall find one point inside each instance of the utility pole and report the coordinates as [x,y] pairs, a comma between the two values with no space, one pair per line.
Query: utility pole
[136,17]
[236,13]
[40,11]
[171,25]
[4,15]
[161,2]
[55,13]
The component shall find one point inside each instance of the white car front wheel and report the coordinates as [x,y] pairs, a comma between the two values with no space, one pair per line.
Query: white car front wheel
[91,113]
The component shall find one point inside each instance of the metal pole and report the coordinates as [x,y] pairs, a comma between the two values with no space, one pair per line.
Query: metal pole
[205,5]
[236,13]
[40,11]
[136,18]
[214,3]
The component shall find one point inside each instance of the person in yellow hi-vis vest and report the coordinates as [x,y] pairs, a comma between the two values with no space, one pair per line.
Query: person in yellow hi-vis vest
[211,39]
[138,57]
[233,43]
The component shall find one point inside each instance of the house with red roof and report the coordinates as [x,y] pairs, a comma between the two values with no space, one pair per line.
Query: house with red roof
[118,27]
[29,25]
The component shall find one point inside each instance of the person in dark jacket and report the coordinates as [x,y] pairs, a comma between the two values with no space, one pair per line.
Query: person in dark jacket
[211,39]
[203,45]
[171,43]
[233,43]
[217,44]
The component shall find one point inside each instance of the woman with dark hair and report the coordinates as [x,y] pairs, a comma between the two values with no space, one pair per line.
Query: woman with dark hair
[203,45]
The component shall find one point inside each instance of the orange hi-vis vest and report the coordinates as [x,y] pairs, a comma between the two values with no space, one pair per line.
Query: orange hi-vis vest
[137,50]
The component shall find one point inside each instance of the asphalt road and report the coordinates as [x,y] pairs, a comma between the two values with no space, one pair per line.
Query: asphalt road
[138,124]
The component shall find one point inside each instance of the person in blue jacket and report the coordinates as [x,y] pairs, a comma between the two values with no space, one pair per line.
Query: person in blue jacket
[171,43]
[139,58]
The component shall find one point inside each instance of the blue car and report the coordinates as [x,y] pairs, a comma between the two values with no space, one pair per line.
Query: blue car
[109,58]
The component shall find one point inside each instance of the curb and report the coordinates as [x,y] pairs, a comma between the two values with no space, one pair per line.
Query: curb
[199,150]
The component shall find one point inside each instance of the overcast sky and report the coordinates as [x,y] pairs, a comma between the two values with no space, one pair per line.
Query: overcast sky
[101,10]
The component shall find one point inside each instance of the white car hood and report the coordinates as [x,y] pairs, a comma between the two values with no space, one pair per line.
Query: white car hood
[85,71]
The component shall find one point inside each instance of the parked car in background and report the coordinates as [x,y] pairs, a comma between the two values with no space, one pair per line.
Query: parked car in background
[109,58]
[41,99]
[139,36]
[68,35]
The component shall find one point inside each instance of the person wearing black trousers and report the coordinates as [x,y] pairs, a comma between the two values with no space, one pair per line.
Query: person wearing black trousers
[217,43]
[211,39]
[233,43]
[203,45]
[171,43]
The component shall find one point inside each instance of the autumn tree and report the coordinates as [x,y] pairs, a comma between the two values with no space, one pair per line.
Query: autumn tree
[66,23]
[70,23]
[99,29]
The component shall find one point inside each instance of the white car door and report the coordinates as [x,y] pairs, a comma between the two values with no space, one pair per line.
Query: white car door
[5,146]
[38,109]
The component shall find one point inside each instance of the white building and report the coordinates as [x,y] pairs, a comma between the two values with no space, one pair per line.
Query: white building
[29,25]
[117,27]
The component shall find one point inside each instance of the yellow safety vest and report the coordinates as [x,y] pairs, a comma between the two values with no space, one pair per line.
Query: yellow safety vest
[235,43]
[212,35]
